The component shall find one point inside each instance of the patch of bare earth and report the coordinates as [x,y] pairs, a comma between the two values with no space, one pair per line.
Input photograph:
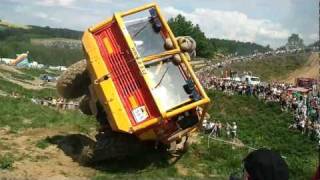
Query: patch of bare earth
[32,162]
[194,138]
[27,84]
[35,84]
[182,170]
[10,69]
[310,70]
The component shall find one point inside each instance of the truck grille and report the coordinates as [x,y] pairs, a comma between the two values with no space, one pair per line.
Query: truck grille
[124,72]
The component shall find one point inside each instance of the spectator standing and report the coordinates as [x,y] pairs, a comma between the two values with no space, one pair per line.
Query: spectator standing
[234,129]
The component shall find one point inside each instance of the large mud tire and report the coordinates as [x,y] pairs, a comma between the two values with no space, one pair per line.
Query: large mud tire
[84,105]
[74,82]
[111,146]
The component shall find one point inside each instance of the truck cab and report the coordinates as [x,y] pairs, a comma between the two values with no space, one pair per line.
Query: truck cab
[135,79]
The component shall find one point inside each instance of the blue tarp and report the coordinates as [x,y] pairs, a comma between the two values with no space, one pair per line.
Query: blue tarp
[24,63]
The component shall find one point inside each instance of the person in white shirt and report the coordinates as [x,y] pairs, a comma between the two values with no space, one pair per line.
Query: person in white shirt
[234,130]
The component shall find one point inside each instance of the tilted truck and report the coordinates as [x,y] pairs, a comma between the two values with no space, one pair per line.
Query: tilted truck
[137,82]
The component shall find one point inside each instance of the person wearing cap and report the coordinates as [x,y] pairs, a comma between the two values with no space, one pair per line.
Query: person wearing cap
[263,164]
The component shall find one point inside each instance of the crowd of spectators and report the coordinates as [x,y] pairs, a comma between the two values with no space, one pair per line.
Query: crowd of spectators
[218,129]
[228,60]
[58,103]
[304,105]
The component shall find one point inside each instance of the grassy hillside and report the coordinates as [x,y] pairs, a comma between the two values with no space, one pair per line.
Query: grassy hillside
[271,68]
[16,111]
[15,40]
[26,77]
[10,87]
[241,48]
[260,125]
[264,125]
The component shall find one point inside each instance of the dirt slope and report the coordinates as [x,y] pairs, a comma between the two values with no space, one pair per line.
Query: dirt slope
[33,162]
[27,84]
[10,69]
[310,70]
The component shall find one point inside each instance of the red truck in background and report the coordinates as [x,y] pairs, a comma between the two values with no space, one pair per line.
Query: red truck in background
[306,83]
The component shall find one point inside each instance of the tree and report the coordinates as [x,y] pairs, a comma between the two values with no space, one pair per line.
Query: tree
[268,46]
[182,27]
[208,47]
[294,42]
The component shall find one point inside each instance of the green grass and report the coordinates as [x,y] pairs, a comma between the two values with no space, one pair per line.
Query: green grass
[6,161]
[17,75]
[264,125]
[260,125]
[15,111]
[43,143]
[6,71]
[22,76]
[35,72]
[271,67]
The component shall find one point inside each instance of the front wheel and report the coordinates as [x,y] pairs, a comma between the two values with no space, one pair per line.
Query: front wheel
[112,145]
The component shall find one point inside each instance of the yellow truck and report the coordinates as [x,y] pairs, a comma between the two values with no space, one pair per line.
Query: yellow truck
[137,81]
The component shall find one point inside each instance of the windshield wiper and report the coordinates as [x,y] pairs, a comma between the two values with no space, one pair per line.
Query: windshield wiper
[162,78]
[140,30]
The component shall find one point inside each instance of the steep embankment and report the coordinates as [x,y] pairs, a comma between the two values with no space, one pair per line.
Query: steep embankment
[309,70]
[25,82]
[272,67]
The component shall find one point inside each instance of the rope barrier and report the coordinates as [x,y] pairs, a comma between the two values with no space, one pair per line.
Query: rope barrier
[228,142]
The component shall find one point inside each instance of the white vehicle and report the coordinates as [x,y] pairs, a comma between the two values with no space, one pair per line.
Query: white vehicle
[236,78]
[251,80]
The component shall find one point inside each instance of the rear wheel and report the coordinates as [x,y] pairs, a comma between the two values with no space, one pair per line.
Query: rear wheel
[74,82]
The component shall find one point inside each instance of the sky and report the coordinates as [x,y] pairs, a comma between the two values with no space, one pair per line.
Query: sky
[267,22]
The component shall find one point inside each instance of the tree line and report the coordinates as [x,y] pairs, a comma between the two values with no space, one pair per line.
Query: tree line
[208,47]
[18,40]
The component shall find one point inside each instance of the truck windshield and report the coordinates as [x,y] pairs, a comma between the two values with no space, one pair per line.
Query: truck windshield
[145,30]
[167,83]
